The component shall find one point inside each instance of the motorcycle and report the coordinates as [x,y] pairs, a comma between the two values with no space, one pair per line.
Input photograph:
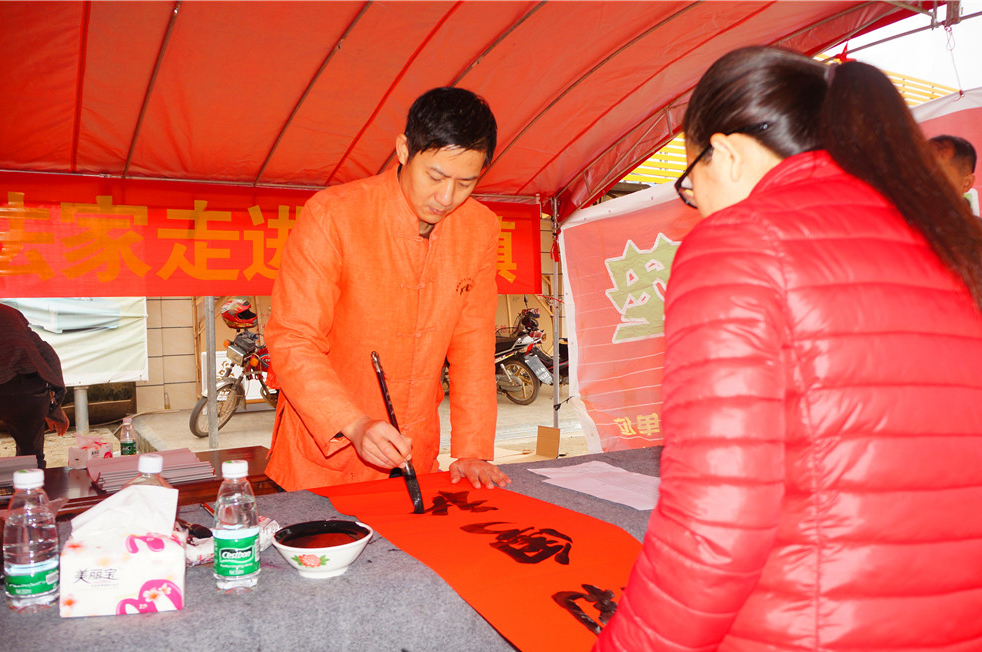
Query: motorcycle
[245,353]
[518,371]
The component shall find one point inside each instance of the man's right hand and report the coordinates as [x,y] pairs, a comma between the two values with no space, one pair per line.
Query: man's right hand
[378,443]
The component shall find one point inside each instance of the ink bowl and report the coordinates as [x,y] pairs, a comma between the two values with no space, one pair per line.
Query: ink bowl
[322,549]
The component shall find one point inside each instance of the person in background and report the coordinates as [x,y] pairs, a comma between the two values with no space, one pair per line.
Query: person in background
[31,385]
[820,479]
[402,263]
[957,159]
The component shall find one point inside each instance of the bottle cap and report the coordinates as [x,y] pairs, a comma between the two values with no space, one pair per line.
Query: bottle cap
[127,420]
[150,463]
[28,479]
[235,469]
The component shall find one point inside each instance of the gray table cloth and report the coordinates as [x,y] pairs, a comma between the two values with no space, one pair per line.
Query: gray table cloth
[386,601]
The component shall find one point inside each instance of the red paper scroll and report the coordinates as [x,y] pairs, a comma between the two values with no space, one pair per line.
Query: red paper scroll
[547,578]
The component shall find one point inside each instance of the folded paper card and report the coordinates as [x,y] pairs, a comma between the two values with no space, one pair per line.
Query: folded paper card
[123,556]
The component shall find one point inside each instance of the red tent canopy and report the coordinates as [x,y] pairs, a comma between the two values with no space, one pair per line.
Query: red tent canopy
[309,94]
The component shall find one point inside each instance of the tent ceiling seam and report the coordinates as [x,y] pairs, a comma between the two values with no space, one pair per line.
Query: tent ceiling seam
[619,169]
[674,101]
[395,82]
[585,76]
[612,106]
[497,41]
[310,86]
[80,80]
[845,12]
[518,23]
[150,84]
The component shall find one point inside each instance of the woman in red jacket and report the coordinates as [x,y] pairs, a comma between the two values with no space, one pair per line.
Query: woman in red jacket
[822,470]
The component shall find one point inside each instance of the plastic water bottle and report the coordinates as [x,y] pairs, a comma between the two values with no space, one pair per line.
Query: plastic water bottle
[30,546]
[149,465]
[127,442]
[236,531]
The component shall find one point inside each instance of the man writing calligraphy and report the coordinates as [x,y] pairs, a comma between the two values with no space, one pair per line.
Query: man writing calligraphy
[402,263]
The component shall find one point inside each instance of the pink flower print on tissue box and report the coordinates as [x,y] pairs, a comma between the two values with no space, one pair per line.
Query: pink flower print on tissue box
[143,575]
[123,556]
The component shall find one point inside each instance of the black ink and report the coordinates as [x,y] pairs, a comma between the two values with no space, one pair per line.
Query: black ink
[524,546]
[445,499]
[602,601]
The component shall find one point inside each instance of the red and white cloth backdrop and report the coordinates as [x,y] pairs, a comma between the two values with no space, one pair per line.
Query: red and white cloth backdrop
[617,259]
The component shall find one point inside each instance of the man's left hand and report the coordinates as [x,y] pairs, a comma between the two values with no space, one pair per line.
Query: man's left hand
[479,473]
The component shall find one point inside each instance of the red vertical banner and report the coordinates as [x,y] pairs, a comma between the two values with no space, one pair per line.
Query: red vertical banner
[617,259]
[519,262]
[65,236]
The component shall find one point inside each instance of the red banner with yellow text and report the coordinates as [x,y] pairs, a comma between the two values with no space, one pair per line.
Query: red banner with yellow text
[70,236]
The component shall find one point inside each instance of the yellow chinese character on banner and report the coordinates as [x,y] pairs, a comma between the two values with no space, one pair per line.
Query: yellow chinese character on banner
[203,252]
[17,239]
[506,265]
[95,248]
[648,424]
[640,278]
[281,224]
[625,426]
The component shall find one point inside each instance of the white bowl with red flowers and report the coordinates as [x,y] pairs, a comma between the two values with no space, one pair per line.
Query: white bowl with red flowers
[322,549]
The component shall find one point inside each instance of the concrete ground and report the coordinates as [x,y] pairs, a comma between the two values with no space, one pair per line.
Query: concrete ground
[515,439]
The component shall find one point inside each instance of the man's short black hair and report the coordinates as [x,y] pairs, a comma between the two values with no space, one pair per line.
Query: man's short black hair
[961,150]
[451,117]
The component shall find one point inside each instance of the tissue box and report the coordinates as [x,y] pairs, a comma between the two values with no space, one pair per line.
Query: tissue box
[79,456]
[115,567]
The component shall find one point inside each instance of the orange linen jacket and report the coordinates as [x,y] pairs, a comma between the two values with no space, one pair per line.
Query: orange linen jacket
[357,277]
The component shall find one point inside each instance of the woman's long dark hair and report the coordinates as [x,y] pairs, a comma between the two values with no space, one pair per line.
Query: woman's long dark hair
[856,114]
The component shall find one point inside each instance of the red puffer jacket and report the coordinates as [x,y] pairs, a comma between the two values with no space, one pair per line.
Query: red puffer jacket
[822,471]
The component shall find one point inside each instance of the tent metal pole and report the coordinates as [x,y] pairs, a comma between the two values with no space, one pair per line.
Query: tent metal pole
[556,307]
[211,373]
[82,410]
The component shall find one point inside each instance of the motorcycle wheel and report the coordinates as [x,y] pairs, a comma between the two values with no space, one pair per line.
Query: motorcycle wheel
[271,395]
[530,383]
[229,395]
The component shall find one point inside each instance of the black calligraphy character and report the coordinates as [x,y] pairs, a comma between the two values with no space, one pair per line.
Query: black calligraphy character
[444,499]
[524,546]
[603,602]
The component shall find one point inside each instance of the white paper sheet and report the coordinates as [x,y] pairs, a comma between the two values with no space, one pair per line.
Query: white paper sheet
[605,481]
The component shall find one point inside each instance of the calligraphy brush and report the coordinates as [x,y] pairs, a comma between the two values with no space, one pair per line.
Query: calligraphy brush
[412,484]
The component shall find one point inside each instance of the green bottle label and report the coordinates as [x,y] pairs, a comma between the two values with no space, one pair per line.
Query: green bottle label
[127,448]
[236,556]
[32,579]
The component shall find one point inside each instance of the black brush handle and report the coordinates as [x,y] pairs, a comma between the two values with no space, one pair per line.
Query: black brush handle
[410,475]
[385,390]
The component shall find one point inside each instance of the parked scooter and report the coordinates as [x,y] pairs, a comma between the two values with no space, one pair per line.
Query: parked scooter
[518,371]
[246,353]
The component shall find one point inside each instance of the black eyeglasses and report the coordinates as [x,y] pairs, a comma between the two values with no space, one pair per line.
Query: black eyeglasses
[683,185]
